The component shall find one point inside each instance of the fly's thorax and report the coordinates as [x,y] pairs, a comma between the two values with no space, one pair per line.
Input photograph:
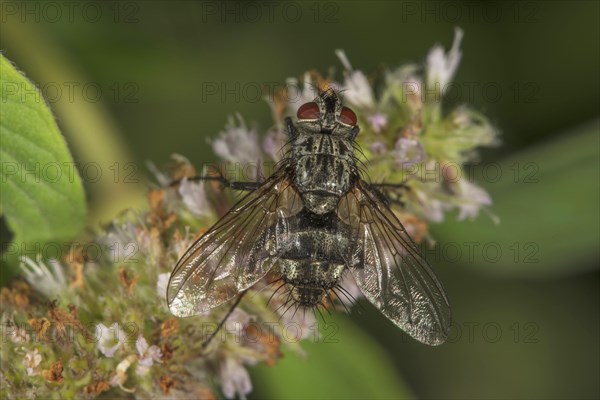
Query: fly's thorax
[323,166]
[306,143]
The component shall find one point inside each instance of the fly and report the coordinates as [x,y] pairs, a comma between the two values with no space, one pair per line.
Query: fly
[313,220]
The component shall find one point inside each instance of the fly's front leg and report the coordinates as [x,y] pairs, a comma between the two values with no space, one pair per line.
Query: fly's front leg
[290,127]
[226,183]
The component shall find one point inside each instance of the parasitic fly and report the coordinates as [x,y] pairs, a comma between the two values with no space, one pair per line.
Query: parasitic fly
[313,220]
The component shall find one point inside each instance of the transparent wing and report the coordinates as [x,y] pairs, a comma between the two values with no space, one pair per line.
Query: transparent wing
[236,252]
[390,270]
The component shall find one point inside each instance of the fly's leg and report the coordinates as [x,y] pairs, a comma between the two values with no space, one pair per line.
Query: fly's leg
[290,127]
[226,183]
[235,185]
[390,185]
[223,320]
[391,193]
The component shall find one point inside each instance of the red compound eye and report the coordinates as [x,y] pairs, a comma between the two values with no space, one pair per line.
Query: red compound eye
[308,111]
[347,116]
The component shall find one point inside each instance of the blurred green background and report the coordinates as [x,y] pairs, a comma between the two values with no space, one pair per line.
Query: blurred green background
[526,320]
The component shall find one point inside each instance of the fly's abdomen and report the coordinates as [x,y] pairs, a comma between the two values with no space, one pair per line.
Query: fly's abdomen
[312,263]
[309,281]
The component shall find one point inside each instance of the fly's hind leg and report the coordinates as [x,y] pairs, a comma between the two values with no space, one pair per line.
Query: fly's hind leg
[223,320]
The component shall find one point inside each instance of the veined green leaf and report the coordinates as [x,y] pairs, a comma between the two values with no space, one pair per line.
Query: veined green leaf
[42,196]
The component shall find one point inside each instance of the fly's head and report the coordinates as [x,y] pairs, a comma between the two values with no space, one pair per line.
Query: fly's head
[327,115]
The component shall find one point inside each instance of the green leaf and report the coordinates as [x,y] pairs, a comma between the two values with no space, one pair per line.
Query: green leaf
[42,196]
[345,363]
[547,201]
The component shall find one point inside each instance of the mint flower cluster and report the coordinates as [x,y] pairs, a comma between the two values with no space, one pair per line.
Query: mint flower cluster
[90,325]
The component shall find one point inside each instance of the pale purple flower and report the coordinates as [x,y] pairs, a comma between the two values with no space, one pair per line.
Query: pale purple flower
[378,122]
[297,96]
[412,87]
[164,178]
[19,336]
[236,323]
[194,197]
[357,89]
[274,140]
[430,207]
[162,284]
[31,361]
[148,355]
[472,199]
[434,210]
[441,66]
[50,281]
[235,380]
[378,148]
[123,236]
[237,144]
[409,151]
[109,339]
[148,244]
